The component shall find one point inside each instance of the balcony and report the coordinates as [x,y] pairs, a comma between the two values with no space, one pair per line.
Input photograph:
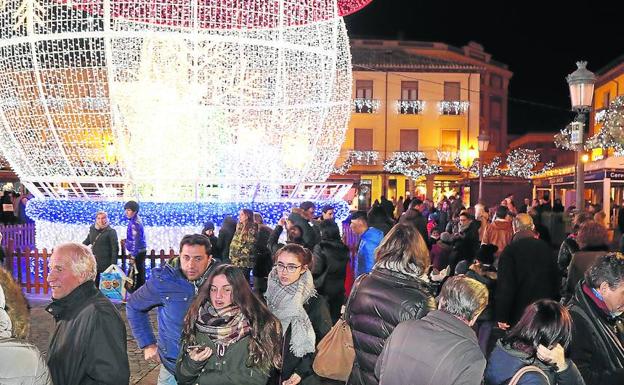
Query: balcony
[453,107]
[410,107]
[366,106]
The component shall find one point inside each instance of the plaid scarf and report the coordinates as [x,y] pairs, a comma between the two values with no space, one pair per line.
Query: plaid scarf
[224,327]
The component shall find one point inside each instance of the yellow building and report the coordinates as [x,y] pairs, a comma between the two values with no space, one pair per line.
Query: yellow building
[421,97]
[609,85]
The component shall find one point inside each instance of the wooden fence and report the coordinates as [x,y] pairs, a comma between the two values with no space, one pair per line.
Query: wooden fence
[29,265]
[22,235]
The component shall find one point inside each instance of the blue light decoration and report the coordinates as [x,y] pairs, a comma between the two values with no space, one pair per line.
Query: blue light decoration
[59,221]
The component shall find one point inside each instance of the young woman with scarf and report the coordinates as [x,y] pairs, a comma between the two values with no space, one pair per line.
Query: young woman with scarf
[304,314]
[229,335]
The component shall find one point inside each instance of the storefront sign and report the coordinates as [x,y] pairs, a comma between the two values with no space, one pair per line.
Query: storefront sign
[615,175]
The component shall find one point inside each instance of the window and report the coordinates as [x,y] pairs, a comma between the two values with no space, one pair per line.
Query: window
[449,140]
[409,90]
[364,89]
[496,81]
[452,91]
[496,109]
[363,140]
[408,140]
[606,99]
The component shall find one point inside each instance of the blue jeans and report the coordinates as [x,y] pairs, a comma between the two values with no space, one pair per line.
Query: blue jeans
[166,378]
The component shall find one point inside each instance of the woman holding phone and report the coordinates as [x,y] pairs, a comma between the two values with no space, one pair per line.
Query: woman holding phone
[539,339]
[229,336]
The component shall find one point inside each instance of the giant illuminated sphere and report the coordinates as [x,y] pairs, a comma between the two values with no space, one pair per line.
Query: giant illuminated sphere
[174,100]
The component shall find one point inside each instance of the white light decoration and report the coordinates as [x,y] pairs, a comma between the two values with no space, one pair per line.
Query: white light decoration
[413,164]
[600,116]
[410,106]
[366,106]
[174,100]
[453,107]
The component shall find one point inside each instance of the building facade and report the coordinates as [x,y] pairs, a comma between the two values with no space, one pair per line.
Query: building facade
[422,97]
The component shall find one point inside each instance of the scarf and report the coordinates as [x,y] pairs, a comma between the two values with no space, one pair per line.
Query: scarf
[286,303]
[224,327]
[6,327]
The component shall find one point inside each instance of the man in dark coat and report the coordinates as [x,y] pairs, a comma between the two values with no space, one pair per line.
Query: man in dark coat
[443,342]
[527,271]
[413,215]
[104,244]
[88,346]
[597,345]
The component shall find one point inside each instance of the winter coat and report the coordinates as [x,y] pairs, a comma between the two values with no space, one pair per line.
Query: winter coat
[580,263]
[488,313]
[330,260]
[135,236]
[440,255]
[88,346]
[263,256]
[224,239]
[498,233]
[169,291]
[318,312]
[597,344]
[104,245]
[242,246]
[527,271]
[436,349]
[22,364]
[382,300]
[504,362]
[229,369]
[369,241]
[568,247]
[467,242]
[310,234]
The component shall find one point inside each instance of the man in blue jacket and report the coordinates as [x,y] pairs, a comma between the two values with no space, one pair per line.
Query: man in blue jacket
[135,241]
[370,238]
[172,289]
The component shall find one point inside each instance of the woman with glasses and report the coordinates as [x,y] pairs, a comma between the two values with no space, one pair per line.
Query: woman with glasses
[229,335]
[394,291]
[302,312]
[538,339]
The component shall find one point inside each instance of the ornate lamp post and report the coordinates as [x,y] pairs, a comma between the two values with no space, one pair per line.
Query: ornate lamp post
[484,141]
[581,84]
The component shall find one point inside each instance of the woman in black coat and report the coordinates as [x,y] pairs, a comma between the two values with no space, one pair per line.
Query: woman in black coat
[104,244]
[393,292]
[226,233]
[329,269]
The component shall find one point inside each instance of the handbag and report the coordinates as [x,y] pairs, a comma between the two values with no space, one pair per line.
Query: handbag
[335,353]
[526,369]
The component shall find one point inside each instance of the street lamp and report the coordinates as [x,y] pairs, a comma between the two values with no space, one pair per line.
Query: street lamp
[581,84]
[484,141]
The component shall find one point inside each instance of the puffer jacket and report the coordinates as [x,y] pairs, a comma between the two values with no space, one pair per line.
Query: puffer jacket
[381,300]
[21,364]
[135,236]
[504,362]
[104,245]
[330,258]
[172,293]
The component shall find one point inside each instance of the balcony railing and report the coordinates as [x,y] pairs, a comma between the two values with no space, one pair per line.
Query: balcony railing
[412,107]
[366,106]
[453,107]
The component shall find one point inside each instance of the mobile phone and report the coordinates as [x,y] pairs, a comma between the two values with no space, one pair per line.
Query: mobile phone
[199,347]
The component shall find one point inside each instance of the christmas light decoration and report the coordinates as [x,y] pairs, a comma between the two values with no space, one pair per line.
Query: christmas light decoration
[614,120]
[413,164]
[357,157]
[410,106]
[520,163]
[453,107]
[175,101]
[366,106]
[60,221]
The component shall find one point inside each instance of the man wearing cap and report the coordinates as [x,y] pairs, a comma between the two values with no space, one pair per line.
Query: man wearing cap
[135,241]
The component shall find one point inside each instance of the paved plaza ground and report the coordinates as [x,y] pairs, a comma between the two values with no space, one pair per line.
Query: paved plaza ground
[42,326]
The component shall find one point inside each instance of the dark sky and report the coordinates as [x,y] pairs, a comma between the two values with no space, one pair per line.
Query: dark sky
[539,44]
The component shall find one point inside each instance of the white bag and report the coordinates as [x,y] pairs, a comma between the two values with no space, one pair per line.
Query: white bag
[113,283]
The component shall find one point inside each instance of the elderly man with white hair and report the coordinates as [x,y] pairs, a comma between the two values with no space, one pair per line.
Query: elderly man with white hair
[89,343]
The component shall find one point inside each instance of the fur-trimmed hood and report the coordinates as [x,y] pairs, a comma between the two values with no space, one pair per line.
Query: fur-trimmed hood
[16,305]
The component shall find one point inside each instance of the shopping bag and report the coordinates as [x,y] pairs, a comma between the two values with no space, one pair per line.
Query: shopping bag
[335,353]
[131,277]
[112,283]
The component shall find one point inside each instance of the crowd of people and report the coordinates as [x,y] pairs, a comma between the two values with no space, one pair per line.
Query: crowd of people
[433,294]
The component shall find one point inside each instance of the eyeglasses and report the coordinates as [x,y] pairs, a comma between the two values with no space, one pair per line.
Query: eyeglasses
[289,268]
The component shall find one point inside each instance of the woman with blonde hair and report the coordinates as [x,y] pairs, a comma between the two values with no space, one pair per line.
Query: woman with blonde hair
[20,362]
[243,242]
[396,290]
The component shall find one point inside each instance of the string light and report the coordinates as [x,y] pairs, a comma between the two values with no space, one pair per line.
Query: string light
[413,164]
[60,221]
[519,163]
[453,107]
[359,157]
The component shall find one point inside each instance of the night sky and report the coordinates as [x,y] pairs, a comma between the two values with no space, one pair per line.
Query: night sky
[540,45]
